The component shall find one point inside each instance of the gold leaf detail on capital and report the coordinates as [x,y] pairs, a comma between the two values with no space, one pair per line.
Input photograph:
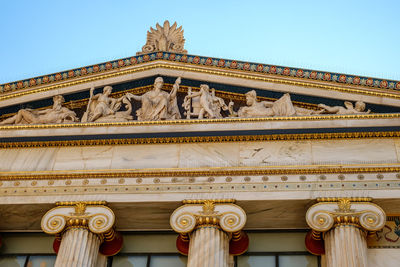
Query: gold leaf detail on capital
[344,205]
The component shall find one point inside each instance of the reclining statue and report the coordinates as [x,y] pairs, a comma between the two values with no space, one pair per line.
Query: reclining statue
[56,114]
[348,108]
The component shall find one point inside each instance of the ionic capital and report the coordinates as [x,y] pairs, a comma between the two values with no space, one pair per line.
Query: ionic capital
[197,213]
[93,215]
[332,212]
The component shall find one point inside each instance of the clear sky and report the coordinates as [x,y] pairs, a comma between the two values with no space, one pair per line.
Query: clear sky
[355,37]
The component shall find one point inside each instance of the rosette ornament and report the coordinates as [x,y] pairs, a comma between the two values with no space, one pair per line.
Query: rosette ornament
[340,227]
[212,227]
[82,229]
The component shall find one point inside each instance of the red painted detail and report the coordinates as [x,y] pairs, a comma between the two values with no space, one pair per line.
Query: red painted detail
[184,58]
[286,71]
[71,73]
[56,244]
[299,73]
[316,247]
[112,247]
[182,245]
[342,78]
[313,75]
[383,84]
[172,57]
[146,57]
[121,63]
[221,63]
[233,65]
[196,60]
[239,246]
[108,66]
[272,69]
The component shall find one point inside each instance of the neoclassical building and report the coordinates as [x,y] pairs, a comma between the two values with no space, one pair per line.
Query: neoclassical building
[171,159]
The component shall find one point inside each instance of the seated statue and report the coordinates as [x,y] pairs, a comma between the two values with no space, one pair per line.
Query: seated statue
[281,107]
[56,114]
[203,104]
[348,108]
[158,104]
[103,108]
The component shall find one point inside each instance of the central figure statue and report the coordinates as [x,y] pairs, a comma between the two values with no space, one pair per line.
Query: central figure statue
[158,104]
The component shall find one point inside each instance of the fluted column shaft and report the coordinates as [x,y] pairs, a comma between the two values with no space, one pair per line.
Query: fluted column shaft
[79,248]
[343,223]
[209,246]
[346,246]
[210,232]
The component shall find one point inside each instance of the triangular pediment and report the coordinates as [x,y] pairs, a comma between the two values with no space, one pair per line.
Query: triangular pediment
[239,98]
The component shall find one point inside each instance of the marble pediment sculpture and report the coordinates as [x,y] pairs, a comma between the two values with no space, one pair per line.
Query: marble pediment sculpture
[203,104]
[56,114]
[158,104]
[164,38]
[348,109]
[257,109]
[103,108]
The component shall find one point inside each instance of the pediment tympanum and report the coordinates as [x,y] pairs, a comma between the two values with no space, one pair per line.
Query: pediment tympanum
[164,85]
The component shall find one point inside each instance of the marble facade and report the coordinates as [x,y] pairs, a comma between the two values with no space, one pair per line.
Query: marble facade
[209,179]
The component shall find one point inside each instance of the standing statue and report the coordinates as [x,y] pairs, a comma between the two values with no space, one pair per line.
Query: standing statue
[102,107]
[56,114]
[218,104]
[348,108]
[158,104]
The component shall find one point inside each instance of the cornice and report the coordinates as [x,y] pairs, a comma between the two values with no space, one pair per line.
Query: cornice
[201,139]
[131,173]
[165,61]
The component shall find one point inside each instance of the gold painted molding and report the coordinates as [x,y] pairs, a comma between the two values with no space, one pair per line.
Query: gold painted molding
[195,173]
[203,121]
[226,73]
[202,201]
[201,139]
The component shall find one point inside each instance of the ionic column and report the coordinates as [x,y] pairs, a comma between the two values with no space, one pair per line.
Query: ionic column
[210,232]
[82,229]
[340,227]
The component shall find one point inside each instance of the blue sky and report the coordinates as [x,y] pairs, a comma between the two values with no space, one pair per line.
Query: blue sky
[355,37]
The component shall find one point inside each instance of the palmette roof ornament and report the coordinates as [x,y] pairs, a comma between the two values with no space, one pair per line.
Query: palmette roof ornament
[164,38]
